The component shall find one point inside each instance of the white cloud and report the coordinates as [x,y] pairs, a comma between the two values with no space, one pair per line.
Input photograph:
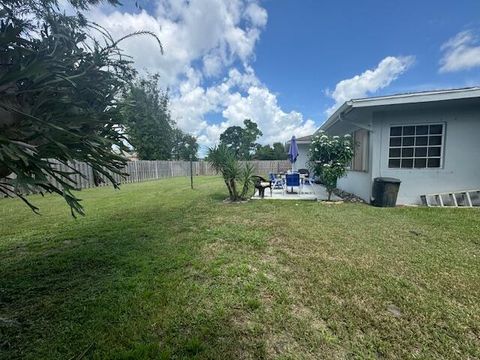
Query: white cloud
[370,81]
[239,96]
[461,52]
[257,15]
[209,46]
[217,32]
[260,105]
[212,64]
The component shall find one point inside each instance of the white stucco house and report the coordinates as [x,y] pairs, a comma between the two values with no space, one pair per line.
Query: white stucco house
[303,144]
[429,140]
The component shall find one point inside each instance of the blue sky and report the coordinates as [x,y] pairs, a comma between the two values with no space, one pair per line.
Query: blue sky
[309,46]
[288,64]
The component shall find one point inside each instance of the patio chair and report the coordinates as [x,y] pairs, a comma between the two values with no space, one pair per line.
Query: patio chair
[305,172]
[291,181]
[308,181]
[261,184]
[305,178]
[277,182]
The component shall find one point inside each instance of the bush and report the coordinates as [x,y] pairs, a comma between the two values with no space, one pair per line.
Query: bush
[235,176]
[329,157]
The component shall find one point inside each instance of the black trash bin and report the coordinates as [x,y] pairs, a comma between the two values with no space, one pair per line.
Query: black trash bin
[385,191]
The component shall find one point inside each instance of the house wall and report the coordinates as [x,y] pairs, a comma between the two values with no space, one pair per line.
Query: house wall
[302,159]
[461,152]
[358,183]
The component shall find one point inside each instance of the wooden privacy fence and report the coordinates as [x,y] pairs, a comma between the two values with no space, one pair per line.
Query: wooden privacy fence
[143,170]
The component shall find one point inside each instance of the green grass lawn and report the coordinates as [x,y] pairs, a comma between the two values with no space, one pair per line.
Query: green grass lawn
[157,270]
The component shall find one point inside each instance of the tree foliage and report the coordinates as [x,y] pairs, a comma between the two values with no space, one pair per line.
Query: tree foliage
[237,178]
[59,91]
[329,157]
[146,117]
[185,146]
[267,152]
[149,126]
[242,141]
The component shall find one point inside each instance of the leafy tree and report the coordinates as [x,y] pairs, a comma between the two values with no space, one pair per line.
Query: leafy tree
[241,140]
[250,136]
[147,119]
[59,91]
[185,146]
[264,152]
[267,152]
[329,157]
[232,138]
[237,178]
[279,151]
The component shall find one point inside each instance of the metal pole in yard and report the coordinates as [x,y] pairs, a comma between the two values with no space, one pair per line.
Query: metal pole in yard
[191,171]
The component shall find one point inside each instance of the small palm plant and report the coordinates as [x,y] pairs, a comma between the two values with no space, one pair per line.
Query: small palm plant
[237,178]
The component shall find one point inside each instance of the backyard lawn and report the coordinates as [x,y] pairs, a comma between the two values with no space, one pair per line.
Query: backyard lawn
[157,270]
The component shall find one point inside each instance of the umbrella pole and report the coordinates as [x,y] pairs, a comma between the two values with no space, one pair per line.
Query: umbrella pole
[293,170]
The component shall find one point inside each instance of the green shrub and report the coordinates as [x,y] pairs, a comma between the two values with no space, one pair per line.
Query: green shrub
[329,157]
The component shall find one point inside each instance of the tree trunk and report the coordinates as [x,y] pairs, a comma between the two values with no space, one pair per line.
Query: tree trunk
[234,189]
[230,194]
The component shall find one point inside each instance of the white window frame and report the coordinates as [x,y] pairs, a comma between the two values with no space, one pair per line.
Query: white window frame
[441,146]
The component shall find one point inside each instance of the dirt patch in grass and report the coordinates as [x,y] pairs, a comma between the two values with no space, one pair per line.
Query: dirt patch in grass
[281,344]
[212,250]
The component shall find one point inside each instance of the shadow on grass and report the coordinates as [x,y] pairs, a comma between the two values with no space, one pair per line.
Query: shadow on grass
[218,196]
[60,295]
[114,286]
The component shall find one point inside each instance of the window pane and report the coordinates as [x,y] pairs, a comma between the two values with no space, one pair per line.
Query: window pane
[415,146]
[395,152]
[407,163]
[408,141]
[407,152]
[396,131]
[434,163]
[421,130]
[395,141]
[420,163]
[434,151]
[421,140]
[409,130]
[421,152]
[435,140]
[394,163]
[436,129]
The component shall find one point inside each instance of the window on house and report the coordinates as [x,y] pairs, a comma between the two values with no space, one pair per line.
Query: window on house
[416,146]
[360,152]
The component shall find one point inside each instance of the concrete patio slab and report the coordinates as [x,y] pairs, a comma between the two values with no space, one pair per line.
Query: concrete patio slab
[311,193]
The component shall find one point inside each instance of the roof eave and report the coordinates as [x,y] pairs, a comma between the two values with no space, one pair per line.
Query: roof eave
[335,117]
[416,98]
[413,98]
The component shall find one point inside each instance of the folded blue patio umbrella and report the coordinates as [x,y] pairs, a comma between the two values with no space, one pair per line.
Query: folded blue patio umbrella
[293,151]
